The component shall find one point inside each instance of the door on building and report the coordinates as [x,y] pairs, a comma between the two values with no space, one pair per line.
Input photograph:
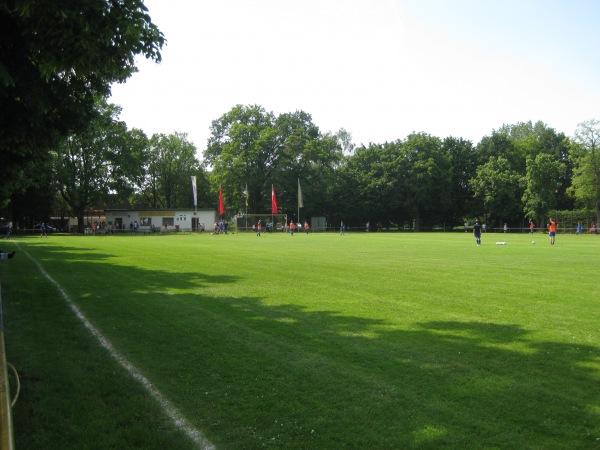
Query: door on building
[195,224]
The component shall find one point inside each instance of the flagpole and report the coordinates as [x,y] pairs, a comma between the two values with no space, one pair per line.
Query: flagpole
[195,194]
[298,216]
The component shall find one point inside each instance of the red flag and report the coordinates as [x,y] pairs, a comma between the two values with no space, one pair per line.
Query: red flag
[221,207]
[274,209]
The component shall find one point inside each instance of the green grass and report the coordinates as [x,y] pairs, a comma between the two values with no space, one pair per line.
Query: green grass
[381,340]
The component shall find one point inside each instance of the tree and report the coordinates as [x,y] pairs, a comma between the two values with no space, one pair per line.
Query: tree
[241,151]
[586,179]
[97,163]
[310,156]
[531,140]
[498,186]
[345,141]
[542,181]
[367,187]
[56,58]
[426,179]
[463,161]
[32,205]
[251,147]
[502,145]
[171,162]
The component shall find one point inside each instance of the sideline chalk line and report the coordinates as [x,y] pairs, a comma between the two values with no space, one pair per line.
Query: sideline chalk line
[170,410]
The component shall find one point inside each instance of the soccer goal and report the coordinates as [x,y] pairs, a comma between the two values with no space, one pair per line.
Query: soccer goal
[270,222]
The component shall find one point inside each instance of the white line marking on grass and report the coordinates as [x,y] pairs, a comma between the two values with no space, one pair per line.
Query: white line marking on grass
[170,410]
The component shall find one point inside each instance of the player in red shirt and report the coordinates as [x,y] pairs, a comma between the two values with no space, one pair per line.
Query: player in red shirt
[552,230]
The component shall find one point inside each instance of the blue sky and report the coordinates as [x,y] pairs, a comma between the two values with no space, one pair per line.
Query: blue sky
[381,69]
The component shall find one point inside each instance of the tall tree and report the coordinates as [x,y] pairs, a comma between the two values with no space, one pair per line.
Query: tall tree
[307,155]
[96,163]
[426,179]
[367,189]
[463,161]
[171,162]
[396,183]
[501,144]
[542,183]
[31,205]
[586,179]
[345,140]
[533,139]
[242,150]
[498,186]
[251,147]
[56,58]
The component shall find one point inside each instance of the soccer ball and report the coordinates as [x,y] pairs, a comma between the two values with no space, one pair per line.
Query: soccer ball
[533,242]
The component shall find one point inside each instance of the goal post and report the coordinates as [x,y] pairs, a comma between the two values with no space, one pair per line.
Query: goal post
[270,222]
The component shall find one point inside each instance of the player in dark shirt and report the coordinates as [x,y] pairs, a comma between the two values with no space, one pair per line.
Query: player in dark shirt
[477,232]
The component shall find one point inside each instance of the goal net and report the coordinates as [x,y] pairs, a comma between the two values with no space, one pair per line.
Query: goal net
[270,222]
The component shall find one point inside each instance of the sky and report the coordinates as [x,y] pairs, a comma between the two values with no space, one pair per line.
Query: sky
[380,69]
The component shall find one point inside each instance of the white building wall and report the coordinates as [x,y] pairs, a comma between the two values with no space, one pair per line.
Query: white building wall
[160,220]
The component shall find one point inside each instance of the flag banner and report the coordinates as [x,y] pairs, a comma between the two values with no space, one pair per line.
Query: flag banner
[194,191]
[274,209]
[246,194]
[300,199]
[221,206]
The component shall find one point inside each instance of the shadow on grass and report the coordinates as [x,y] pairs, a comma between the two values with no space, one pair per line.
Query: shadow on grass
[256,375]
[445,384]
[83,262]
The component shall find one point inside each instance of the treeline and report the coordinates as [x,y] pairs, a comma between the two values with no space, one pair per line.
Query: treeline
[519,172]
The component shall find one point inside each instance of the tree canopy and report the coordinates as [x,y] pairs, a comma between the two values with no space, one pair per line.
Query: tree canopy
[171,161]
[56,59]
[253,148]
[586,155]
[98,163]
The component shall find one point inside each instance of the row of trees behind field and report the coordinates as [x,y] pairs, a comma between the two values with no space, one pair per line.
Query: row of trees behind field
[518,172]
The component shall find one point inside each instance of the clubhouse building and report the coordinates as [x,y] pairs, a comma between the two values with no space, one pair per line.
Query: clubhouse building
[160,219]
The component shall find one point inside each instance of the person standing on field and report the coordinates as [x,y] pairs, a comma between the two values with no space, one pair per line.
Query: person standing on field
[477,232]
[531,226]
[306,227]
[292,227]
[258,228]
[552,230]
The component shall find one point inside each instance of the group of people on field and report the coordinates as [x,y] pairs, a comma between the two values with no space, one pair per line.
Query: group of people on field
[551,226]
[292,227]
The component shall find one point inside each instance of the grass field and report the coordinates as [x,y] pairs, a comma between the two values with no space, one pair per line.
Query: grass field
[381,340]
